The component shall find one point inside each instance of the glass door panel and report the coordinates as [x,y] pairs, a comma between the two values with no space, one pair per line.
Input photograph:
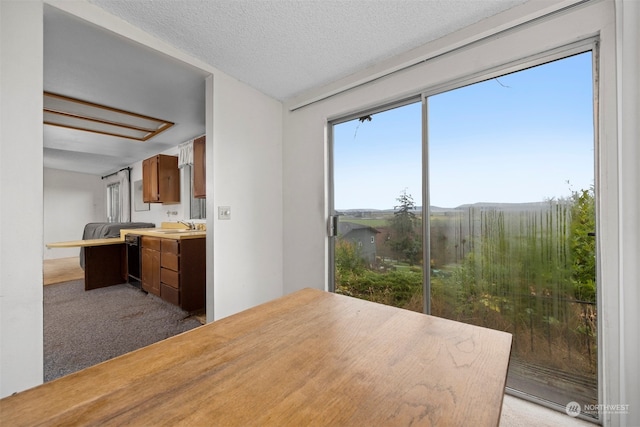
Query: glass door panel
[377,198]
[512,222]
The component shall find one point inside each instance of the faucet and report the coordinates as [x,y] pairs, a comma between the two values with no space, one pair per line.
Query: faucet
[189,225]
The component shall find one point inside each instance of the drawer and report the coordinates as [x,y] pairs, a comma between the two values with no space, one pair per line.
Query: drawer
[170,278]
[170,294]
[171,246]
[170,261]
[151,242]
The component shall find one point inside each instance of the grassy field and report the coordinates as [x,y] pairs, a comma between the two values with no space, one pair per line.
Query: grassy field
[371,222]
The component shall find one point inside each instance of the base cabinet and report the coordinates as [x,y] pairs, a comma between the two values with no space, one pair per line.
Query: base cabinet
[182,272]
[175,270]
[104,266]
[151,265]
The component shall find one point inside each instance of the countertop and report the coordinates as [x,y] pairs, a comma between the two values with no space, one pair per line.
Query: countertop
[165,233]
[308,358]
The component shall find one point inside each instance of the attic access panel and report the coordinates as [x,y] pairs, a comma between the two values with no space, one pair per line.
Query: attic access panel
[82,115]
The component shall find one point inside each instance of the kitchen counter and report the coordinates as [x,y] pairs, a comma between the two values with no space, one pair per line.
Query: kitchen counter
[86,243]
[165,233]
[309,358]
[105,260]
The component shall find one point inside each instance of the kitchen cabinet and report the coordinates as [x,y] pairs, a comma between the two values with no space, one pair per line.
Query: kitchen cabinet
[161,179]
[199,168]
[151,264]
[182,272]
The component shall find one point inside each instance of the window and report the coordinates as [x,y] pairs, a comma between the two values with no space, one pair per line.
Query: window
[117,192]
[383,200]
[509,225]
[113,202]
[197,207]
[512,221]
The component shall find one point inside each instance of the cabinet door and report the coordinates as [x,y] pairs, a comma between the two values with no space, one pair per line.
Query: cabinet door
[146,181]
[151,271]
[154,188]
[199,168]
[161,179]
[150,190]
[193,278]
[168,181]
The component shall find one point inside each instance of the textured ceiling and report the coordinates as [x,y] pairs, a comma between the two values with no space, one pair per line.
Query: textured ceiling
[286,47]
[281,47]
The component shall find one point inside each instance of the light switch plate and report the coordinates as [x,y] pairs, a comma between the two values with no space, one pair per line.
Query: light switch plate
[224,212]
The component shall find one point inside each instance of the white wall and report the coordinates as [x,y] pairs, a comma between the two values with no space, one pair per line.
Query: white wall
[628,75]
[71,200]
[21,194]
[305,158]
[247,165]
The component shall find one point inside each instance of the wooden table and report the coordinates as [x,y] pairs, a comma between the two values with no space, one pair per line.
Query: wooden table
[310,358]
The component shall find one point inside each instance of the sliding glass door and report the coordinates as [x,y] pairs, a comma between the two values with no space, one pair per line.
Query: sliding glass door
[506,166]
[377,188]
[512,222]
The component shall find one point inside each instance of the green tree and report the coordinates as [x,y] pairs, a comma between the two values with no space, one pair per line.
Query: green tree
[583,245]
[405,241]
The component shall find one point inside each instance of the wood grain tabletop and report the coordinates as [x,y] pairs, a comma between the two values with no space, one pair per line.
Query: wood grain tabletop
[311,358]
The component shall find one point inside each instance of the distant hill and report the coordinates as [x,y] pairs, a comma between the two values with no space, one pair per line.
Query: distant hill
[506,206]
[436,209]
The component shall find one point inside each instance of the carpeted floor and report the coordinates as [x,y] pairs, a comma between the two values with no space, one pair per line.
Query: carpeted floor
[83,328]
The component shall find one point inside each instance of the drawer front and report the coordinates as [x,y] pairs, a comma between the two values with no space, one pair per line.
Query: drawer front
[171,246]
[170,278]
[170,261]
[170,294]
[151,242]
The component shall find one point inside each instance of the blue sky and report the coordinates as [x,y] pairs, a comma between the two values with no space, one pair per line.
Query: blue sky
[524,137]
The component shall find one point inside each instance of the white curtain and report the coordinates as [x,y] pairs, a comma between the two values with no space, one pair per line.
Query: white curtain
[185,154]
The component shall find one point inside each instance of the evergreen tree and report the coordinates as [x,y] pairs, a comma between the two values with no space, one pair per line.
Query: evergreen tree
[583,245]
[406,242]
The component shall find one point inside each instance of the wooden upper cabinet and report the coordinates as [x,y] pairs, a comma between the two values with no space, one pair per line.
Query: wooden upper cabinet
[149,185]
[199,168]
[161,179]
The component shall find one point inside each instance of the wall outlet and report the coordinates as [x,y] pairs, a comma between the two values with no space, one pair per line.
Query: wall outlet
[224,212]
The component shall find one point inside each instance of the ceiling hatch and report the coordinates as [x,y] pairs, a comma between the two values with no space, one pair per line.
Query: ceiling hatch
[82,115]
